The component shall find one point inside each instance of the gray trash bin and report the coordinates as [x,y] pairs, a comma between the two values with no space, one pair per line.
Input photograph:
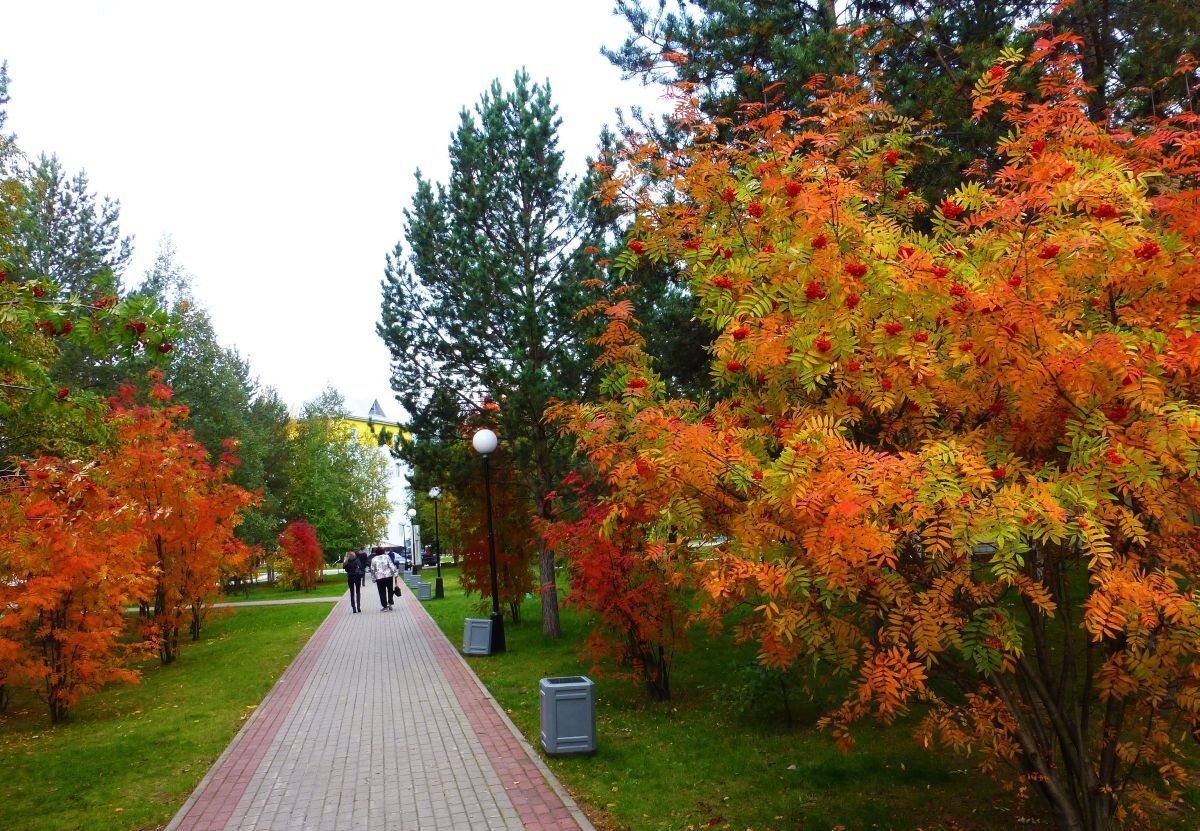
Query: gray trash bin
[424,591]
[568,708]
[477,636]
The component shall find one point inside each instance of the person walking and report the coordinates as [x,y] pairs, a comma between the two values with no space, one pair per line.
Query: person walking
[385,573]
[354,578]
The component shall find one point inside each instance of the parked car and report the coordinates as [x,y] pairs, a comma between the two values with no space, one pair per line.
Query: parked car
[399,554]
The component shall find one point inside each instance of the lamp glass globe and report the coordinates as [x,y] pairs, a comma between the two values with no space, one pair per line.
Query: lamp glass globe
[412,512]
[435,493]
[485,442]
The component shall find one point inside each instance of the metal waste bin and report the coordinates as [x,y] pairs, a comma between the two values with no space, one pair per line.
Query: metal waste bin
[477,636]
[424,591]
[568,707]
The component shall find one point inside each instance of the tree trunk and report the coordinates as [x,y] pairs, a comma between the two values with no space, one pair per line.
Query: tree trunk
[551,627]
[197,620]
[166,625]
[658,674]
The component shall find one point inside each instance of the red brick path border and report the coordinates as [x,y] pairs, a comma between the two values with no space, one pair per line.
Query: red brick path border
[215,798]
[540,808]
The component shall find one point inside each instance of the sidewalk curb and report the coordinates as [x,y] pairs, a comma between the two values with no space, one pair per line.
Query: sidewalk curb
[548,775]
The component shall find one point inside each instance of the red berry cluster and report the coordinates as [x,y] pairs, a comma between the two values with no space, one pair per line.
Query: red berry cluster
[950,210]
[1147,250]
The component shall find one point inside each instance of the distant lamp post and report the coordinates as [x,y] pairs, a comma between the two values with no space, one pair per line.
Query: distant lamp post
[438,591]
[485,443]
[412,532]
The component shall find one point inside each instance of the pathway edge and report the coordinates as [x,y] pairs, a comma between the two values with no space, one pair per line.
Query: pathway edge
[551,780]
[247,725]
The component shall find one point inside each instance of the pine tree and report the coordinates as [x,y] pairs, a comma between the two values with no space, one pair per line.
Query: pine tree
[735,52]
[483,305]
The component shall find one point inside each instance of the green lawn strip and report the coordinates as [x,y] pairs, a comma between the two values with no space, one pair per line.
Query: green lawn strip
[331,585]
[713,757]
[131,754]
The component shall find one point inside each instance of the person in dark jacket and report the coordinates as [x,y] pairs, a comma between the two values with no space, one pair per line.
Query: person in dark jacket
[354,578]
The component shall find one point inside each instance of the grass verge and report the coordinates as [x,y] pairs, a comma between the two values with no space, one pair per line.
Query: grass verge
[331,585]
[720,754]
[130,755]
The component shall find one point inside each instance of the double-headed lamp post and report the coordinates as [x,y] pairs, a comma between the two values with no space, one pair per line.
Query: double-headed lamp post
[412,529]
[438,591]
[485,443]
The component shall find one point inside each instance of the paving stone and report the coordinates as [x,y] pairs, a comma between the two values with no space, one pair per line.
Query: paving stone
[378,723]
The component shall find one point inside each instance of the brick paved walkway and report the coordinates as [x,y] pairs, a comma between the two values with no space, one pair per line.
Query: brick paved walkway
[378,724]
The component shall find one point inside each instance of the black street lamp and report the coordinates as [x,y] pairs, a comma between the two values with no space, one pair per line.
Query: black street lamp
[438,592]
[412,517]
[485,443]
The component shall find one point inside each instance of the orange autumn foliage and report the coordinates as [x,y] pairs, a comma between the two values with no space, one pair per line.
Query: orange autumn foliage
[69,556]
[954,441]
[616,578]
[186,511]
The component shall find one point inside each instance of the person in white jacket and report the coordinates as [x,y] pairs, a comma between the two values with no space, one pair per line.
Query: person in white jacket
[384,572]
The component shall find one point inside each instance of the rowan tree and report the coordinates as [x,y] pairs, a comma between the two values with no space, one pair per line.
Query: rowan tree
[186,510]
[616,575]
[968,454]
[69,566]
[43,406]
[298,546]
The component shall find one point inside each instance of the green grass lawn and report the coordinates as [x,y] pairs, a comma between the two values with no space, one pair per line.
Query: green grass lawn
[719,754]
[131,754]
[331,585]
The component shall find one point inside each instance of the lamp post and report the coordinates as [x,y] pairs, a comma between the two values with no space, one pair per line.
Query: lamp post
[438,592]
[485,443]
[412,532]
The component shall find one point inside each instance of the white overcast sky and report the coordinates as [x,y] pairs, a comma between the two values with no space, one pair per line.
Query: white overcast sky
[275,142]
